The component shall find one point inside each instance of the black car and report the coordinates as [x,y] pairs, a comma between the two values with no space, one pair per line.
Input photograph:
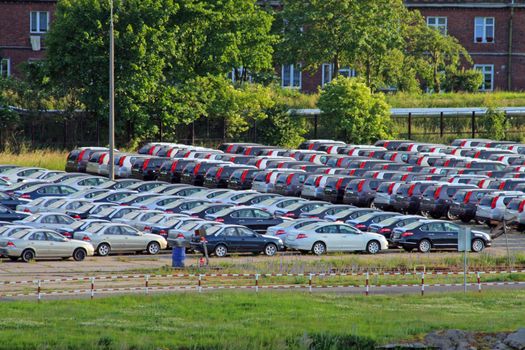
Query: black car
[10,215]
[386,227]
[290,183]
[437,199]
[218,176]
[465,203]
[206,209]
[20,186]
[241,179]
[363,222]
[254,218]
[295,210]
[147,168]
[224,239]
[45,190]
[334,189]
[182,205]
[360,192]
[436,234]
[321,212]
[193,173]
[407,198]
[145,186]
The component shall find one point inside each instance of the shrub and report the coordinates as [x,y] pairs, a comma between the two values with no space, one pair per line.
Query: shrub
[329,341]
[468,80]
[358,115]
[493,124]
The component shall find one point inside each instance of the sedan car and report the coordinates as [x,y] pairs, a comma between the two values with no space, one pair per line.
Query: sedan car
[295,210]
[45,190]
[221,240]
[436,234]
[320,238]
[386,227]
[47,220]
[40,243]
[107,238]
[253,218]
[206,209]
[36,205]
[11,215]
[364,221]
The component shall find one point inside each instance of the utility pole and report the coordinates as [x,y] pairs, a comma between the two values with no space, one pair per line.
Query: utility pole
[111,173]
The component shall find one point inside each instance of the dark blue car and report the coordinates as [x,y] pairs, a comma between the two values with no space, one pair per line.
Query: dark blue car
[11,215]
[10,201]
[45,190]
[253,218]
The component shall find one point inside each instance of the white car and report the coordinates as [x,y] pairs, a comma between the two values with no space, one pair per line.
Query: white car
[287,226]
[64,205]
[36,205]
[273,204]
[335,237]
[86,182]
[19,174]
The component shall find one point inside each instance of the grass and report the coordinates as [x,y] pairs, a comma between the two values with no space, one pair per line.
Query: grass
[45,158]
[494,99]
[230,320]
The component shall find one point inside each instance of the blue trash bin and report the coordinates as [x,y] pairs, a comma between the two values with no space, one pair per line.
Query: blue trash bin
[178,255]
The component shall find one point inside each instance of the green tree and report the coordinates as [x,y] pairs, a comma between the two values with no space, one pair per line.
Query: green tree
[358,115]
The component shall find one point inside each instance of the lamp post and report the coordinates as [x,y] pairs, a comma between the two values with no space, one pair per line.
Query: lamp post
[111,172]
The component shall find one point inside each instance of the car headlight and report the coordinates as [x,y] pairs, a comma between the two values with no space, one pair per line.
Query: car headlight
[280,241]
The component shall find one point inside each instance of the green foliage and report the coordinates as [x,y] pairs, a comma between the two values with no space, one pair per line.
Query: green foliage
[493,124]
[282,128]
[331,341]
[468,80]
[359,115]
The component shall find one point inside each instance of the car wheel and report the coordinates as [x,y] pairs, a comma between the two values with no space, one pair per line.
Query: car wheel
[103,249]
[424,246]
[451,216]
[373,205]
[153,248]
[79,254]
[28,255]
[13,258]
[480,222]
[270,249]
[221,251]
[425,214]
[478,245]
[465,220]
[373,247]
[408,249]
[319,248]
[435,216]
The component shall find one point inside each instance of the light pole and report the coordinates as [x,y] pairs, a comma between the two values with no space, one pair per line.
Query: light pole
[111,172]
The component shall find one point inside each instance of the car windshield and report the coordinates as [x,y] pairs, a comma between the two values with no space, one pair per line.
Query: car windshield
[412,225]
[95,228]
[32,218]
[367,216]
[106,211]
[213,230]
[20,234]
[390,221]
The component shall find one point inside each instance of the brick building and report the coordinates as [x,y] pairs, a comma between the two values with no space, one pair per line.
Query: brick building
[492,31]
[23,25]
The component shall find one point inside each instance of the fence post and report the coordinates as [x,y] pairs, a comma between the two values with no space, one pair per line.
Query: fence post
[367,284]
[92,287]
[199,286]
[38,290]
[310,283]
[479,281]
[473,124]
[256,283]
[422,283]
[146,284]
[409,125]
[441,124]
[315,125]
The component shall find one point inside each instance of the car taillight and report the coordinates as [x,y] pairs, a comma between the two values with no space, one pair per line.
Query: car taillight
[67,234]
[362,165]
[168,211]
[247,151]
[229,149]
[258,163]
[463,143]
[391,188]
[280,232]
[267,178]
[163,233]
[467,197]
[338,184]
[478,153]
[86,239]
[10,244]
[187,154]
[147,228]
[289,215]
[121,160]
[280,165]
[196,169]
[494,201]
[243,175]
[301,236]
[219,172]
[406,234]
[81,155]
[76,217]
[25,196]
[522,205]
[411,190]
[312,158]
[360,186]
[289,179]
[145,165]
[384,230]
[339,162]
[419,161]
[360,226]
[27,210]
[502,185]
[150,151]
[437,193]
[375,175]
[481,183]
[219,220]
[101,159]
[393,157]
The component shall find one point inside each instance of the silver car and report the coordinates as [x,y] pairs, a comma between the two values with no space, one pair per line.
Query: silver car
[9,230]
[282,230]
[135,217]
[64,205]
[273,204]
[48,220]
[113,237]
[40,243]
[36,205]
[147,224]
[188,230]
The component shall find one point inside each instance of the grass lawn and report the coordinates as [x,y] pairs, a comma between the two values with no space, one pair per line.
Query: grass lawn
[49,159]
[235,320]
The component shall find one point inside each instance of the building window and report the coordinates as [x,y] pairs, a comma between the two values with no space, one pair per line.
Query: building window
[438,23]
[291,76]
[488,76]
[5,67]
[39,21]
[484,29]
[328,72]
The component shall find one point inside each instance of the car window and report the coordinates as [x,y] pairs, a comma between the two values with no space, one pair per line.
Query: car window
[245,232]
[261,214]
[230,232]
[346,229]
[128,231]
[451,227]
[50,219]
[64,219]
[38,236]
[436,227]
[112,231]
[55,237]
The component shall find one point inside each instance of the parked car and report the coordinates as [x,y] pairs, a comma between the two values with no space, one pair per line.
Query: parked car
[225,239]
[363,222]
[253,218]
[10,215]
[295,210]
[437,199]
[333,237]
[45,190]
[34,244]
[206,209]
[385,227]
[114,237]
[436,234]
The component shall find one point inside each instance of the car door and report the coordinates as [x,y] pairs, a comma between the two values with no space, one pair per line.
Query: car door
[132,239]
[232,239]
[263,220]
[351,239]
[249,240]
[115,238]
[49,221]
[437,234]
[451,235]
[59,246]
[38,242]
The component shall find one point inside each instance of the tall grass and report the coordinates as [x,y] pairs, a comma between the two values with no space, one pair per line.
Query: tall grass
[456,99]
[244,320]
[45,158]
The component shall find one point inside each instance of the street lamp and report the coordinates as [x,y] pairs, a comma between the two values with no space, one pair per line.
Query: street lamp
[111,172]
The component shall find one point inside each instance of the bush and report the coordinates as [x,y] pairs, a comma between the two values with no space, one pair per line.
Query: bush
[358,115]
[329,341]
[493,124]
[282,128]
[468,80]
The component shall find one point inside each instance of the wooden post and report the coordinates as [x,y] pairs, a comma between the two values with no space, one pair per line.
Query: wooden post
[473,124]
[315,125]
[441,124]
[409,125]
